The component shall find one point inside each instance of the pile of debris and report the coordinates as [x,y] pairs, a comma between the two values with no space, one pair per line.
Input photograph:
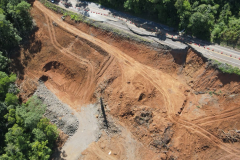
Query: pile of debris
[58,112]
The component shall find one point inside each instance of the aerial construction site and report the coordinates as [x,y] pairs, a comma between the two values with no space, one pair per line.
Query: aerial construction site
[114,97]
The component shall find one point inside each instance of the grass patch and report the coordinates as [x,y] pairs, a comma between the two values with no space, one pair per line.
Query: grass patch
[225,68]
[211,93]
[74,16]
[215,93]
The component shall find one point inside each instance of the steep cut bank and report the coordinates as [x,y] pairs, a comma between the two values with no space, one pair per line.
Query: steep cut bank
[173,102]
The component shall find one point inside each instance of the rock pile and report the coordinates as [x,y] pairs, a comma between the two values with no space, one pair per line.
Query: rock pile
[58,112]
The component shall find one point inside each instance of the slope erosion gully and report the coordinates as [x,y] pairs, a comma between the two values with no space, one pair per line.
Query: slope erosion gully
[148,73]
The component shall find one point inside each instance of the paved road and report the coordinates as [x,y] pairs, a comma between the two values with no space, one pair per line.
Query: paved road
[148,28]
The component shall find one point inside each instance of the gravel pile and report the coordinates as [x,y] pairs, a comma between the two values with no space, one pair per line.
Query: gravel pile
[58,112]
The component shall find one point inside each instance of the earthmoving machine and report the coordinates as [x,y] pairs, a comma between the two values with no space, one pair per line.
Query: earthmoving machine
[66,3]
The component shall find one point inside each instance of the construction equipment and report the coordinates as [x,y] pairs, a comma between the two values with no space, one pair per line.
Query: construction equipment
[181,32]
[68,4]
[80,4]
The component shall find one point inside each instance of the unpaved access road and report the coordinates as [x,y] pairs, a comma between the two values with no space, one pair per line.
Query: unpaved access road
[156,77]
[87,133]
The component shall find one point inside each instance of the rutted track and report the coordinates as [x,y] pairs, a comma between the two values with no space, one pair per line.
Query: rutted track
[104,67]
[90,78]
[223,116]
[149,73]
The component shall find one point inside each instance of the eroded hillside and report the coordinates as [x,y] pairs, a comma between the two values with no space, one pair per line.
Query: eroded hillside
[173,103]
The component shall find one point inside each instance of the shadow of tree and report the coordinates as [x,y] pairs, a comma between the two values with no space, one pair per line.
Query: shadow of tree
[58,154]
[22,54]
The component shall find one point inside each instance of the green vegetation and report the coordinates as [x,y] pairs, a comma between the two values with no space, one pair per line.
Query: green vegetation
[215,93]
[214,20]
[79,18]
[28,134]
[24,132]
[225,68]
[15,22]
[73,16]
[211,93]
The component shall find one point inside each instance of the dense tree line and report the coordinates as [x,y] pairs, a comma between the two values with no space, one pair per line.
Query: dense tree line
[208,19]
[15,22]
[24,132]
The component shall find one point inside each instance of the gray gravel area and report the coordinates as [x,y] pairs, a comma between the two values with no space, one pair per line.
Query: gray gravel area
[58,112]
[87,133]
[83,127]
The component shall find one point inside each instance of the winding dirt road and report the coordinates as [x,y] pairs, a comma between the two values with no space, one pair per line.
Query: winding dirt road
[71,55]
[155,77]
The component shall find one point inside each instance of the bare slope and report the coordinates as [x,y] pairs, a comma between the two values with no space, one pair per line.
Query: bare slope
[174,104]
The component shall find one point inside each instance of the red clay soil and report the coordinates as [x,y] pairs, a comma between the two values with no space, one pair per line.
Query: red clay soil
[174,103]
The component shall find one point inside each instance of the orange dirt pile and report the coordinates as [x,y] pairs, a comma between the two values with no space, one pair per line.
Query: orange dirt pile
[174,103]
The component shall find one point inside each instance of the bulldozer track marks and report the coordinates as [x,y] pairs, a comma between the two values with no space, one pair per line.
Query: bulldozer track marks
[105,66]
[149,73]
[223,116]
[70,55]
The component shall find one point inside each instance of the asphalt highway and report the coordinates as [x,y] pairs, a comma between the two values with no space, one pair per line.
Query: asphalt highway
[149,31]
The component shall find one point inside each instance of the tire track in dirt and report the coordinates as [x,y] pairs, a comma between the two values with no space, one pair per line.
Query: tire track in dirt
[90,78]
[189,125]
[148,74]
[209,136]
[105,66]
[223,116]
[58,47]
[71,44]
[177,120]
[85,61]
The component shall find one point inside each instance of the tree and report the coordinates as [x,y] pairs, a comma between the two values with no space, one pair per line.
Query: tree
[232,32]
[3,128]
[39,135]
[11,99]
[31,112]
[9,35]
[17,143]
[40,151]
[3,62]
[225,14]
[184,10]
[49,130]
[202,21]
[5,81]
[11,116]
[21,17]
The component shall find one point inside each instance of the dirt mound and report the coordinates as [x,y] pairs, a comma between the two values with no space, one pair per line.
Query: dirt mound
[173,103]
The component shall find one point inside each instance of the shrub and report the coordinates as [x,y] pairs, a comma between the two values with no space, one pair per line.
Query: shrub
[225,68]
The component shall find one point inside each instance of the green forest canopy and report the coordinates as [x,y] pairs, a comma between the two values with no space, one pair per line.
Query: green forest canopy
[24,132]
[15,22]
[215,20]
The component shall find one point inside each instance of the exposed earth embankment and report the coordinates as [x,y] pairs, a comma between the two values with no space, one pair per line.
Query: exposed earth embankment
[170,103]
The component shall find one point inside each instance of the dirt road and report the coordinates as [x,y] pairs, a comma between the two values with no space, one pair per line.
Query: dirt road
[86,134]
